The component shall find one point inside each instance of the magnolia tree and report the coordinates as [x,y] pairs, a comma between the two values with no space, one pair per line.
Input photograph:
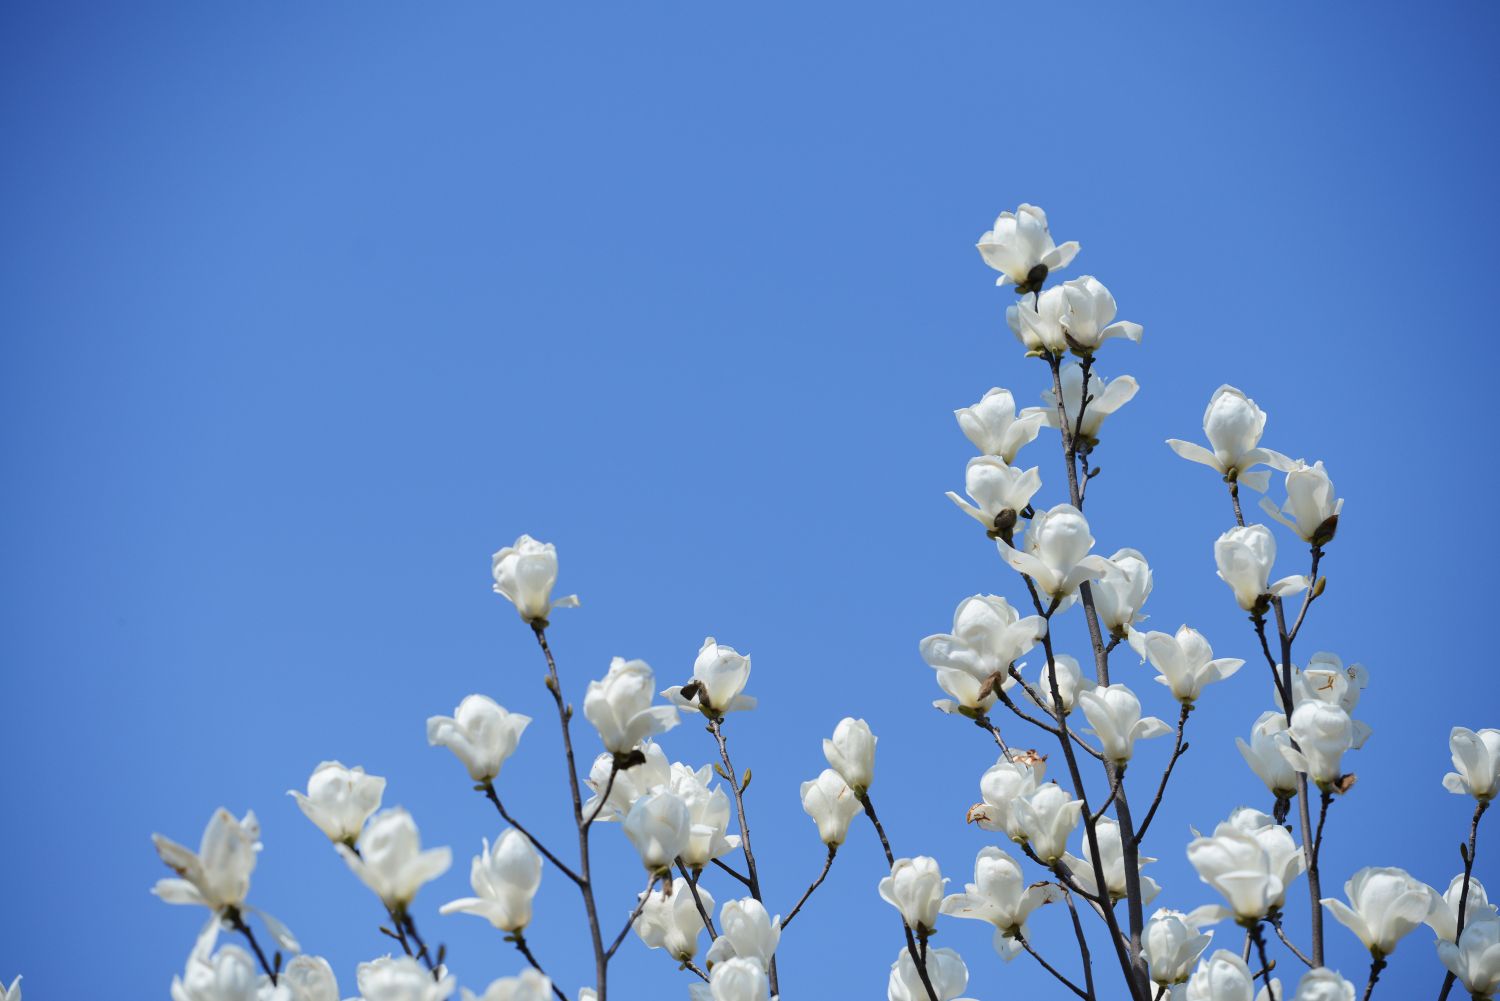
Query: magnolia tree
[1070,819]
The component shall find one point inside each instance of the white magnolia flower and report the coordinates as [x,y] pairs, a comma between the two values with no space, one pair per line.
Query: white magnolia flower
[1013,776]
[1037,322]
[400,978]
[830,802]
[1046,817]
[851,753]
[1321,984]
[1323,733]
[1233,862]
[708,815]
[339,800]
[1311,509]
[505,879]
[226,975]
[1055,553]
[671,921]
[390,859]
[748,932]
[1186,661]
[1170,944]
[945,970]
[1070,682]
[1104,398]
[719,677]
[13,992]
[1283,855]
[531,985]
[525,573]
[1385,904]
[620,706]
[915,888]
[1245,556]
[310,978]
[1089,319]
[1477,907]
[629,784]
[1475,959]
[1115,713]
[217,875]
[1234,424]
[1326,679]
[659,825]
[1476,756]
[994,426]
[1112,861]
[734,980]
[1224,976]
[1000,491]
[1020,247]
[1122,591]
[480,733]
[1265,756]
[988,635]
[1000,896]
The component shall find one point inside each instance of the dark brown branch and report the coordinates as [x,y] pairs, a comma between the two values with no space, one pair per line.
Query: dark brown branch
[827,864]
[489,791]
[1177,751]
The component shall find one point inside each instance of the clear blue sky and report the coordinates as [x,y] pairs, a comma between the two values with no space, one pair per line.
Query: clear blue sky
[308,308]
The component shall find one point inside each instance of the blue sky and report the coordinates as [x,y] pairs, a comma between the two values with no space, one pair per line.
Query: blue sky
[309,308]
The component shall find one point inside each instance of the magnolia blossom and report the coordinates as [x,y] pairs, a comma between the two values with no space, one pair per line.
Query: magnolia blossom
[1265,756]
[1038,322]
[13,992]
[994,426]
[628,785]
[671,921]
[217,875]
[401,978]
[1112,861]
[531,985]
[1385,904]
[1283,855]
[1089,319]
[749,932]
[620,706]
[339,800]
[1326,679]
[1104,398]
[915,888]
[1233,862]
[830,802]
[1013,776]
[1056,552]
[1120,593]
[1323,733]
[1245,556]
[1475,958]
[1115,713]
[945,970]
[1170,944]
[1070,681]
[390,859]
[1311,509]
[480,733]
[226,975]
[1020,247]
[505,880]
[851,753]
[310,978]
[1444,916]
[1001,492]
[1186,661]
[525,573]
[1234,424]
[659,825]
[988,635]
[708,815]
[719,677]
[1321,984]
[1224,976]
[1000,896]
[734,980]
[1046,816]
[1476,756]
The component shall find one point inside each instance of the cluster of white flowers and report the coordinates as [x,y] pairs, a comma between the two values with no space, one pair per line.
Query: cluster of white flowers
[1084,837]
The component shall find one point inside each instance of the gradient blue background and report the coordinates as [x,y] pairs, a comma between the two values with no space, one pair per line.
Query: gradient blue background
[308,308]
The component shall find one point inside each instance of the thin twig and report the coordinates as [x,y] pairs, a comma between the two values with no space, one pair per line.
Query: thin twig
[237,922]
[1275,920]
[1050,968]
[525,951]
[630,921]
[827,864]
[715,727]
[1265,965]
[494,797]
[1083,944]
[692,882]
[1177,751]
[1463,895]
[1376,966]
[719,863]
[911,942]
